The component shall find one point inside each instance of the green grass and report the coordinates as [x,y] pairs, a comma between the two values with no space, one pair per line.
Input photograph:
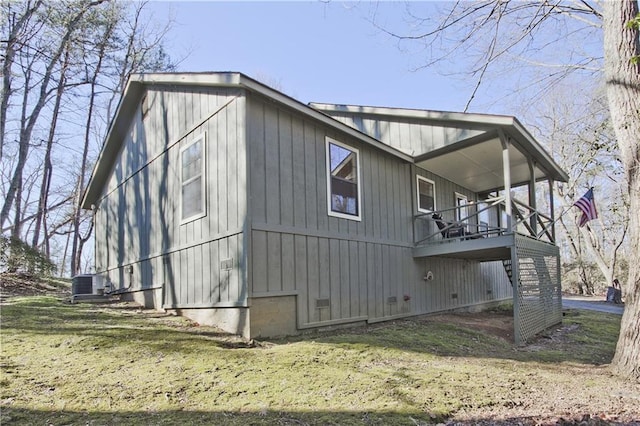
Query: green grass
[84,364]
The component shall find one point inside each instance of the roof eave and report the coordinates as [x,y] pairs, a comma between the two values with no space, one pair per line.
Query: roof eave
[439,118]
[102,165]
[533,148]
[135,87]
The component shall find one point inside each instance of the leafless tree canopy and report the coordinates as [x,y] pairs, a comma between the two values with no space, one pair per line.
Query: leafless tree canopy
[64,66]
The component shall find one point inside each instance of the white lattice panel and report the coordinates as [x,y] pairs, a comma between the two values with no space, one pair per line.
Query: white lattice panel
[538,299]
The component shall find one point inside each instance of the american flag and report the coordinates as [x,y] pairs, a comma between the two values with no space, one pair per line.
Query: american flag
[587,205]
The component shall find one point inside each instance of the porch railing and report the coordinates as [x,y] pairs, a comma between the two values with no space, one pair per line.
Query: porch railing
[526,220]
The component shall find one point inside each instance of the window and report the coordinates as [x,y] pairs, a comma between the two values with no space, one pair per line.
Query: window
[426,195]
[462,211]
[192,179]
[343,188]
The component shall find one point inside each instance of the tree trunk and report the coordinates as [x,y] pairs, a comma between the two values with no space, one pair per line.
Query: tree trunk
[48,166]
[76,247]
[583,283]
[622,76]
[598,252]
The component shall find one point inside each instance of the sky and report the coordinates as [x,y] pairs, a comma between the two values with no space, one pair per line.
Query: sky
[313,51]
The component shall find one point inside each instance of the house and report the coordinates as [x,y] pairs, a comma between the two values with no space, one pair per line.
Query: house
[221,199]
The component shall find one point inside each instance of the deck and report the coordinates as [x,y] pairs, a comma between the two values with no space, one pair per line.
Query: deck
[525,245]
[473,238]
[485,249]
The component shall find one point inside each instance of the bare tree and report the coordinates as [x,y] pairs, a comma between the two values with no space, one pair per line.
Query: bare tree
[580,134]
[102,45]
[16,21]
[29,119]
[64,57]
[47,172]
[523,31]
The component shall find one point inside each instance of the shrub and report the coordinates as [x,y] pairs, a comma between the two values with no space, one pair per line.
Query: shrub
[17,256]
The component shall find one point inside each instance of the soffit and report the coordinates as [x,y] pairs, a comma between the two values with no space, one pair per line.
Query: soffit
[478,166]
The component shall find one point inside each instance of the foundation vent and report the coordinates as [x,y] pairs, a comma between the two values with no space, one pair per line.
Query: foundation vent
[323,303]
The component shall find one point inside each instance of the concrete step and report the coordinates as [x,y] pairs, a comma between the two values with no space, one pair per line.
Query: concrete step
[93,298]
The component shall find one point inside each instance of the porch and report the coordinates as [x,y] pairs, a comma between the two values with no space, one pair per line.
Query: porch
[502,164]
[530,258]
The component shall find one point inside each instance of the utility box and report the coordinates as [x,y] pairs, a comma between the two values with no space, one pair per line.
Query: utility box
[82,284]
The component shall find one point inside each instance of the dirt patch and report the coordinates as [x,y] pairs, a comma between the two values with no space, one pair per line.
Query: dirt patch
[498,324]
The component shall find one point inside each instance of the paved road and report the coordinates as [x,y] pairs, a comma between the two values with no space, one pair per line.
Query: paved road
[569,302]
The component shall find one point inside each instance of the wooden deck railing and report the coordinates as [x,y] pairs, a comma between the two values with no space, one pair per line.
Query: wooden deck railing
[526,220]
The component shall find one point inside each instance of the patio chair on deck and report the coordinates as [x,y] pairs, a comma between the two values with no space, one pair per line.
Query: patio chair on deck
[449,229]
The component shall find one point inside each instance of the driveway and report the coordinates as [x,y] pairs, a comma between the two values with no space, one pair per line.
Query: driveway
[592,303]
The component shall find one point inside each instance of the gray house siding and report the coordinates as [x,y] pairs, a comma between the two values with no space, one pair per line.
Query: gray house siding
[261,255]
[409,136]
[200,263]
[341,270]
[456,283]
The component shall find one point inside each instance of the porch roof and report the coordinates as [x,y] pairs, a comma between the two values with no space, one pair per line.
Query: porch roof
[474,161]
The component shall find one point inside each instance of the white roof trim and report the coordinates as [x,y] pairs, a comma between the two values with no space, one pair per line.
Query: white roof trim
[318,111]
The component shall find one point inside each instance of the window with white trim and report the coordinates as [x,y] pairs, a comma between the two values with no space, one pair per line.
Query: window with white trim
[426,194]
[192,173]
[343,183]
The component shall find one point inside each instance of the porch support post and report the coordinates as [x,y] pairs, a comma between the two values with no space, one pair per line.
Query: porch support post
[552,211]
[533,220]
[506,172]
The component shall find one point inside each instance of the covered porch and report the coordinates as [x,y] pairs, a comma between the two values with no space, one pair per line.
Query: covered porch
[512,220]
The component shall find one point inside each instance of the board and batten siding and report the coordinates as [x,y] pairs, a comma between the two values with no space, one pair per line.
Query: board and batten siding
[343,270]
[456,283]
[142,241]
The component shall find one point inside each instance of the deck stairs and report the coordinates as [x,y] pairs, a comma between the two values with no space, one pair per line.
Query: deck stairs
[508,269]
[533,268]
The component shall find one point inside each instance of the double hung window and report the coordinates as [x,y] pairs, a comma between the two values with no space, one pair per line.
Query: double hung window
[192,174]
[426,194]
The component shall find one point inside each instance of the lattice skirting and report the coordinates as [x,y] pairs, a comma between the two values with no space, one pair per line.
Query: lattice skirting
[537,296]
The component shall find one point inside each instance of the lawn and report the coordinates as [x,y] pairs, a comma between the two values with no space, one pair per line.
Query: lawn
[80,364]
